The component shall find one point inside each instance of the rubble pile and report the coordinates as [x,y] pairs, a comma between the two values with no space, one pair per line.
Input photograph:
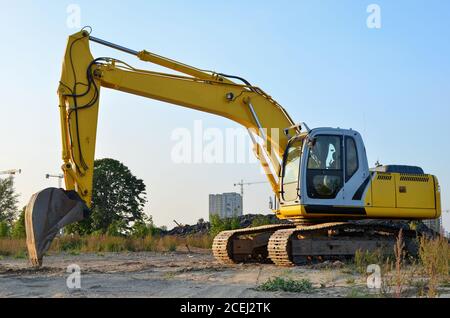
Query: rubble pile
[203,227]
[199,228]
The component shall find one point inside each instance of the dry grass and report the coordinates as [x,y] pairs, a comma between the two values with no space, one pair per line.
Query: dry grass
[105,243]
[422,277]
[434,258]
[399,252]
[394,271]
[12,247]
[200,241]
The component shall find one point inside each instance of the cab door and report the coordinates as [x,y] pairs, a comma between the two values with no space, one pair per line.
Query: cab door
[333,172]
[356,171]
[324,166]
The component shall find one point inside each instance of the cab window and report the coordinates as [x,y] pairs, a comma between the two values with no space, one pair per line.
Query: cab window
[351,158]
[325,167]
[291,171]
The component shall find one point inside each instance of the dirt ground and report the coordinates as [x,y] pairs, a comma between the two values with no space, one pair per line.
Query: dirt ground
[178,274]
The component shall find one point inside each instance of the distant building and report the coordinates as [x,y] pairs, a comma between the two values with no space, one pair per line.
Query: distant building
[434,224]
[226,205]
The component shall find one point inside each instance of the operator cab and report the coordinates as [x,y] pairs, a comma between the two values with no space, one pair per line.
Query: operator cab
[324,167]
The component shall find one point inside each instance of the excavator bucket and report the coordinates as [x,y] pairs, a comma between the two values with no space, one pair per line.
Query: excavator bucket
[46,214]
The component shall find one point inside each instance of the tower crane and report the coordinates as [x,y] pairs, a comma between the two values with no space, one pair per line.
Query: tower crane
[241,184]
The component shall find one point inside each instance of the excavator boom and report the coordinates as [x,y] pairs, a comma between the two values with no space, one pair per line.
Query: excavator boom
[82,79]
[79,93]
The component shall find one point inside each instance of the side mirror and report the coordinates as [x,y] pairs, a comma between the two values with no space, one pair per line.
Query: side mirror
[312,142]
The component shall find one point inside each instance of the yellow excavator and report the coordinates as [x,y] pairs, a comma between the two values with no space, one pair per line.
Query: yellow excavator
[321,177]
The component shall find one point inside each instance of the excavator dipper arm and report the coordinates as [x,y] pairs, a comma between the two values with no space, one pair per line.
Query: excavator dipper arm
[82,79]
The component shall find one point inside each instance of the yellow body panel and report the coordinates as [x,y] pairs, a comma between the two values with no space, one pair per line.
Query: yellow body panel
[298,212]
[388,196]
[415,191]
[438,197]
[400,213]
[383,191]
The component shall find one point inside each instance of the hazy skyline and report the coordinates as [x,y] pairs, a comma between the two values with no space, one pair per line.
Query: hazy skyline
[317,59]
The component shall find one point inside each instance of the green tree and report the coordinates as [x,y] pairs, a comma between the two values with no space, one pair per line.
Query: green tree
[117,202]
[4,229]
[18,229]
[218,225]
[8,201]
[145,228]
[261,220]
[116,228]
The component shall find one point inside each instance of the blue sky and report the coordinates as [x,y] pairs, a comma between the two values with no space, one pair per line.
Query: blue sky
[317,58]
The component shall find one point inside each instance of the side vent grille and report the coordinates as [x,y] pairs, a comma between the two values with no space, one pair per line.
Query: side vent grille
[414,178]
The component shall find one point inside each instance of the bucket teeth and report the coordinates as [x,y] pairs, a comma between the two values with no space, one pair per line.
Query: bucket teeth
[35,262]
